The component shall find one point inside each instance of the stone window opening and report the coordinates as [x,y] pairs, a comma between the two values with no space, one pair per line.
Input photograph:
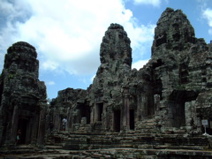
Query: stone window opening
[183,74]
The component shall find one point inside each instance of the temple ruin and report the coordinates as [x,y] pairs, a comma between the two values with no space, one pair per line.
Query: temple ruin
[164,105]
[171,90]
[22,97]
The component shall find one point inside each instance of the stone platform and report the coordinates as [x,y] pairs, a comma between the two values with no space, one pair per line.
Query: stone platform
[64,145]
[114,153]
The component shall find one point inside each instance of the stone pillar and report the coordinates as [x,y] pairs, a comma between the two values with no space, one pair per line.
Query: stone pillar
[56,120]
[29,129]
[41,128]
[156,102]
[143,107]
[69,121]
[125,113]
[14,124]
[92,114]
[95,113]
[35,129]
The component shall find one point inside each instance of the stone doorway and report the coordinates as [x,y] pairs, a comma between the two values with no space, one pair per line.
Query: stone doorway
[99,111]
[132,119]
[209,127]
[116,120]
[177,114]
[22,127]
[84,110]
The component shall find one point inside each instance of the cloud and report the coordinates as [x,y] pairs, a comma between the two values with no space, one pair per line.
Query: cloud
[50,83]
[139,64]
[207,14]
[67,35]
[155,3]
[49,65]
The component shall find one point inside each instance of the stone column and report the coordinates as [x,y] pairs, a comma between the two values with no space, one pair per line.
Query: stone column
[34,129]
[41,128]
[96,111]
[14,124]
[156,102]
[126,113]
[56,120]
[92,114]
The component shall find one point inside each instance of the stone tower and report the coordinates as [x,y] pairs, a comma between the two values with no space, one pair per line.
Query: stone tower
[173,32]
[22,97]
[180,66]
[108,88]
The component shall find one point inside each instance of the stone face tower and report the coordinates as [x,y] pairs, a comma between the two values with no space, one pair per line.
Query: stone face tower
[22,97]
[113,73]
[115,47]
[173,32]
[180,69]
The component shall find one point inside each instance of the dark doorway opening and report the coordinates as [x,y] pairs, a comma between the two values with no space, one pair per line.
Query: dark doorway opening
[178,98]
[117,120]
[150,106]
[84,111]
[208,127]
[178,112]
[22,129]
[99,111]
[132,120]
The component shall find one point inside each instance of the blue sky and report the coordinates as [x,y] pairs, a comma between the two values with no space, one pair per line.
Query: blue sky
[67,33]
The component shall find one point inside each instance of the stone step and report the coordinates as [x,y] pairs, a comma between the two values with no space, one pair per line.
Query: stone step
[53,147]
[148,157]
[130,140]
[179,147]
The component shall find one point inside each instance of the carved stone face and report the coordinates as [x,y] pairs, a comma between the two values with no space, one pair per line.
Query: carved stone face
[115,46]
[173,31]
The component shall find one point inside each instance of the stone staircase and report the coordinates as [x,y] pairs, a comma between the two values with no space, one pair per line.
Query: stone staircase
[131,139]
[134,144]
[147,126]
[145,143]
[129,145]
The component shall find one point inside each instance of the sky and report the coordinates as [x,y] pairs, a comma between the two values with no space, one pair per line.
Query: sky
[67,33]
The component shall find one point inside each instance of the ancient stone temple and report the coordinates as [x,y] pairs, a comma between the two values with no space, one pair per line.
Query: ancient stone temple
[171,93]
[22,97]
[160,111]
[180,67]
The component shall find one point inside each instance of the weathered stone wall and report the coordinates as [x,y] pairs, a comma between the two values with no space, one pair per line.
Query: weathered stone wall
[22,97]
[72,106]
[181,65]
[172,92]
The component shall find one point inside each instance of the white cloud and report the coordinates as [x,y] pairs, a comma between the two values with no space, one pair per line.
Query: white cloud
[67,35]
[139,64]
[207,14]
[155,3]
[92,78]
[50,83]
[49,65]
